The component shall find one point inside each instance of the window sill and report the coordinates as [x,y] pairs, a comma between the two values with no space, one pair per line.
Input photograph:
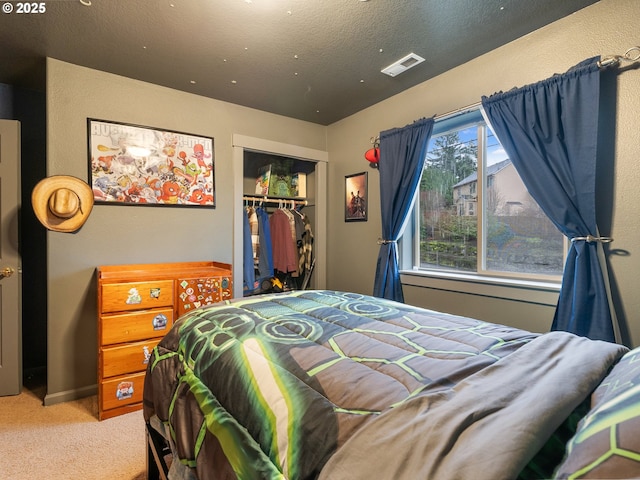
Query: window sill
[529,291]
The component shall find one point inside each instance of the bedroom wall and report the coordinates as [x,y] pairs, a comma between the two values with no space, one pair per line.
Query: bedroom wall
[607,27]
[117,234]
[125,234]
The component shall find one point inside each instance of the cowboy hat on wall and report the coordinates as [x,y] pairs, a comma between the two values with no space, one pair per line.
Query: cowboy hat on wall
[62,203]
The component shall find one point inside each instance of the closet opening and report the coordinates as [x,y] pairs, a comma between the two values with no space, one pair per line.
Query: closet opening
[298,177]
[279,222]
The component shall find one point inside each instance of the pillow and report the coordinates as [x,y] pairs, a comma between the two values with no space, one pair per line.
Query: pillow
[606,443]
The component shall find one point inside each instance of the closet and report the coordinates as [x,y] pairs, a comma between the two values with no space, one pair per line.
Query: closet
[250,156]
[278,226]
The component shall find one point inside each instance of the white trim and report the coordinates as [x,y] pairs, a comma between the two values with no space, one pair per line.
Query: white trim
[529,291]
[269,146]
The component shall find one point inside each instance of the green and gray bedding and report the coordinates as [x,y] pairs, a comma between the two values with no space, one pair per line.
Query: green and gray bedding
[334,385]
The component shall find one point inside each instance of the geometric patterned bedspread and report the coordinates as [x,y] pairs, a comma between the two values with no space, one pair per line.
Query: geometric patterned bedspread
[607,443]
[272,386]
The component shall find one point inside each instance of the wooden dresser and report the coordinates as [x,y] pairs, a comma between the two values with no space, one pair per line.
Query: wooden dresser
[137,305]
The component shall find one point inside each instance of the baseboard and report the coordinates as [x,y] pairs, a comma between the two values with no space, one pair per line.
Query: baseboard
[68,395]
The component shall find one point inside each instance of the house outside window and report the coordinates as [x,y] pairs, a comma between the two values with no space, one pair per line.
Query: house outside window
[473,214]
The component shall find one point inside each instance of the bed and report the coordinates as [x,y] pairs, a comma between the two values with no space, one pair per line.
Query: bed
[335,385]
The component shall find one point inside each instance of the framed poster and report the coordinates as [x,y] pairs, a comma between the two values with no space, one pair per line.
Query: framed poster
[136,165]
[355,208]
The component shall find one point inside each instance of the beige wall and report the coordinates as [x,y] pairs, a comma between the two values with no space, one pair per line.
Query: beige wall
[125,234]
[116,234]
[608,27]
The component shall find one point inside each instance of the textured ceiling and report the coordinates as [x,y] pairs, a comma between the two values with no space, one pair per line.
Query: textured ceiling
[314,60]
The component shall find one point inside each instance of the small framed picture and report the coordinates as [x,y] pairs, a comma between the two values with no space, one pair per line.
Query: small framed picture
[355,208]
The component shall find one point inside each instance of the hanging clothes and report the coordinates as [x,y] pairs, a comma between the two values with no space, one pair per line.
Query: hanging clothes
[280,247]
[292,228]
[305,250]
[285,258]
[265,257]
[298,219]
[255,239]
[248,266]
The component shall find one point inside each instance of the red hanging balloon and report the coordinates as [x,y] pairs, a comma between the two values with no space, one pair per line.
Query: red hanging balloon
[373,155]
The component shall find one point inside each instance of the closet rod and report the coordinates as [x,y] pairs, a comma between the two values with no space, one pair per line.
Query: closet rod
[264,199]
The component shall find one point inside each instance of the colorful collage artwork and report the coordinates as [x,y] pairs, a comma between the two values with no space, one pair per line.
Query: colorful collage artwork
[144,166]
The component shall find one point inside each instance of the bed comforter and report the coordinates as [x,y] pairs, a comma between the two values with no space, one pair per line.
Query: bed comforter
[335,385]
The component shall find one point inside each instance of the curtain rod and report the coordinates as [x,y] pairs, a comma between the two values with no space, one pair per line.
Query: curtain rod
[376,140]
[612,60]
[457,111]
[631,55]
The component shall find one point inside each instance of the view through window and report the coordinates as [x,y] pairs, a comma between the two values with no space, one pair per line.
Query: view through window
[487,226]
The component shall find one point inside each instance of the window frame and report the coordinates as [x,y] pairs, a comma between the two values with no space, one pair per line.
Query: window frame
[409,244]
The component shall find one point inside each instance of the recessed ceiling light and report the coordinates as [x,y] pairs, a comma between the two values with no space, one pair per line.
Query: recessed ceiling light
[86,3]
[192,82]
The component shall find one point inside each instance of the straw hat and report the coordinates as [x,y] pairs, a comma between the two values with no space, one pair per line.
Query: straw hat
[62,203]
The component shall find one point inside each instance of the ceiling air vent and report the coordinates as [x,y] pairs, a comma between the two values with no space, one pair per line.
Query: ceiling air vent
[405,63]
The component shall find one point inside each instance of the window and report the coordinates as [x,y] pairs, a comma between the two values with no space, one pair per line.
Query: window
[490,226]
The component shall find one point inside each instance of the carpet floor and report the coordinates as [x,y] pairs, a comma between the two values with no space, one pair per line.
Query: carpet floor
[66,441]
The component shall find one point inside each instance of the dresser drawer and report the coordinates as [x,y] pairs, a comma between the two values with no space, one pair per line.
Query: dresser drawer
[119,297]
[129,358]
[122,391]
[135,326]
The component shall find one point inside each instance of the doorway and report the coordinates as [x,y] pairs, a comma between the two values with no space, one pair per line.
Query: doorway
[27,104]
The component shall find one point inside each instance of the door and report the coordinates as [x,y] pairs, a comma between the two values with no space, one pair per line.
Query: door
[10,264]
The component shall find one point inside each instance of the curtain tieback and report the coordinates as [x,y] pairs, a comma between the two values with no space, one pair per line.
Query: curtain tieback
[591,239]
[386,242]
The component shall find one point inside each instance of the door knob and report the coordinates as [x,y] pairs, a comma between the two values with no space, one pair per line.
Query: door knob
[6,272]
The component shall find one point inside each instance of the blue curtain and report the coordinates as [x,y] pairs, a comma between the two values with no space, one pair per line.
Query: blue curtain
[402,155]
[549,130]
